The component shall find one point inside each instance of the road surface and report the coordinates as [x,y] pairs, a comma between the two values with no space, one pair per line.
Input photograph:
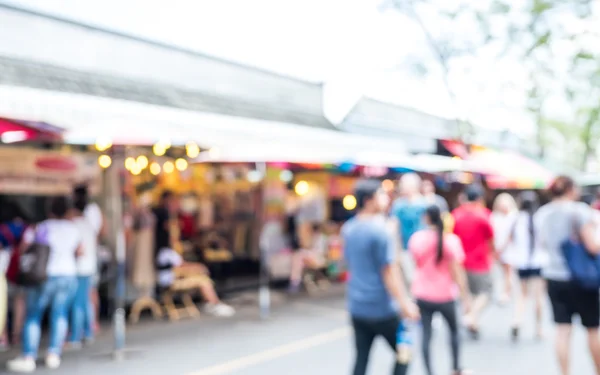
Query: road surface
[306,335]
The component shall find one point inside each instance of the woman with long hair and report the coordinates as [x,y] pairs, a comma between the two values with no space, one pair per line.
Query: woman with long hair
[57,292]
[503,219]
[528,260]
[555,223]
[439,282]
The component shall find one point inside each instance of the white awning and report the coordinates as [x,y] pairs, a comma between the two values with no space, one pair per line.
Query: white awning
[86,118]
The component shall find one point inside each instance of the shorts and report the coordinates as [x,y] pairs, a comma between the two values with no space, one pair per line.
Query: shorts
[530,273]
[480,283]
[568,299]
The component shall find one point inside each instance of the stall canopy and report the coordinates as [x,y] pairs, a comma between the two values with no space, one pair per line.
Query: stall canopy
[504,169]
[13,131]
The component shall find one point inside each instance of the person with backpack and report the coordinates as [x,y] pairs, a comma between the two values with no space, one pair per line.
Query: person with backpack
[52,282]
[529,260]
[555,223]
[12,228]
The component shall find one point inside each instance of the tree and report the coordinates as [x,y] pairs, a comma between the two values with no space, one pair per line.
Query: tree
[554,40]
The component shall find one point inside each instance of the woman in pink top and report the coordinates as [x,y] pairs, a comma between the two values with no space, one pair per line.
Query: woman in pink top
[439,281]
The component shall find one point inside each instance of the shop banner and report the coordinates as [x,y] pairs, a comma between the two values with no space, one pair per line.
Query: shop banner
[27,171]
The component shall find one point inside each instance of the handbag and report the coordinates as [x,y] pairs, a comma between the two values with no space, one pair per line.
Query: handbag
[33,263]
[584,266]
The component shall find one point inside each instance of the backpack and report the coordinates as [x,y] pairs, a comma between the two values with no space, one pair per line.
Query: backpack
[584,266]
[13,243]
[33,262]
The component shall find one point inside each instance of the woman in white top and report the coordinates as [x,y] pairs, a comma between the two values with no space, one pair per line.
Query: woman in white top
[64,239]
[82,312]
[528,259]
[503,219]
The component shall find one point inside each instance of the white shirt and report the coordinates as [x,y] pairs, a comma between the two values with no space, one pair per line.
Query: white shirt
[87,262]
[170,258]
[524,257]
[503,225]
[93,214]
[64,238]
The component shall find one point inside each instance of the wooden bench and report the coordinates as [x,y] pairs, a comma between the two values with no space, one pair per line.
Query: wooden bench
[185,285]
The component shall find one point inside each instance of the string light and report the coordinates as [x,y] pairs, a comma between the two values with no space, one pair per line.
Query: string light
[301,188]
[349,202]
[168,167]
[181,164]
[155,168]
[136,170]
[142,161]
[192,150]
[103,144]
[159,150]
[104,161]
[130,163]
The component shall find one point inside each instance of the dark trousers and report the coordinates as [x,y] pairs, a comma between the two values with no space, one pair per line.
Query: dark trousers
[365,332]
[448,311]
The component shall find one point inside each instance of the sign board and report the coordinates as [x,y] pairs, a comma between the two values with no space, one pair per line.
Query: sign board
[27,171]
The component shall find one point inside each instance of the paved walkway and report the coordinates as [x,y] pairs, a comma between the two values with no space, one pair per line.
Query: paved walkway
[305,336]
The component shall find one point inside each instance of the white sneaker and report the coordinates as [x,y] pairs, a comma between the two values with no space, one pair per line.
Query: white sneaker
[220,309]
[22,365]
[52,361]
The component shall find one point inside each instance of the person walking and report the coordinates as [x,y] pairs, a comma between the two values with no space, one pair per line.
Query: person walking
[503,220]
[554,224]
[376,292]
[83,313]
[409,209]
[529,260]
[473,227]
[439,281]
[63,238]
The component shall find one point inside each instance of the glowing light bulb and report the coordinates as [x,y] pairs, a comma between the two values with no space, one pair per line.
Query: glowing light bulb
[168,167]
[104,161]
[181,164]
[192,150]
[159,149]
[142,161]
[130,163]
[155,168]
[136,170]
[301,188]
[349,202]
[103,144]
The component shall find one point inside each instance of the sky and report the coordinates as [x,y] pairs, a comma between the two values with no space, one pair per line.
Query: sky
[356,45]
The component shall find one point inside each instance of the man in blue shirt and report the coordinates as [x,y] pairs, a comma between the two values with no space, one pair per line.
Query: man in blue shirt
[409,210]
[376,292]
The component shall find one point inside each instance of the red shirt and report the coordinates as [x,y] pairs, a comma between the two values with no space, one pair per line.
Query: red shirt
[472,225]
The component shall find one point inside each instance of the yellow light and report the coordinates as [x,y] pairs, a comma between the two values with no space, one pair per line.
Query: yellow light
[388,185]
[349,202]
[155,168]
[159,149]
[302,188]
[136,170]
[103,144]
[192,150]
[130,163]
[165,144]
[104,161]
[168,167]
[142,161]
[181,164]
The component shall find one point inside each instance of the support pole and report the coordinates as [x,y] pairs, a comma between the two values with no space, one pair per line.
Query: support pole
[264,291]
[116,208]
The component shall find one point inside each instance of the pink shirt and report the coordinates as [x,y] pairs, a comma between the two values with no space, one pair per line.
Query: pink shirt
[433,282]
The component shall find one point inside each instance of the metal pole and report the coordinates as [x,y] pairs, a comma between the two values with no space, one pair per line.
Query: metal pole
[264,292]
[116,206]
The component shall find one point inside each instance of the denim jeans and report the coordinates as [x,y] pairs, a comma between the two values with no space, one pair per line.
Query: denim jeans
[82,313]
[56,292]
